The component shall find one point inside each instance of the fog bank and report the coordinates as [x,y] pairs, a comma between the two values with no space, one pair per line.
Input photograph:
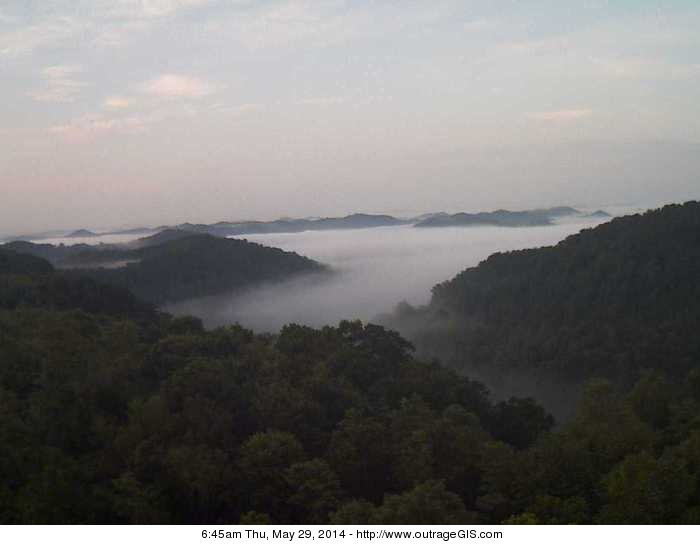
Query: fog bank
[375,269]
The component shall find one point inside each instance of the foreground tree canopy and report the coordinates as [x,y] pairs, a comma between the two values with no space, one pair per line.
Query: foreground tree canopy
[112,412]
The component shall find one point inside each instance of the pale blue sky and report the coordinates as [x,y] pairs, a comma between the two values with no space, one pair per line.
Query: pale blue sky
[129,112]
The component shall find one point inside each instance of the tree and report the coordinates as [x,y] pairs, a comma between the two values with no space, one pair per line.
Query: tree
[355,512]
[262,462]
[644,490]
[361,456]
[315,491]
[559,510]
[519,421]
[651,400]
[427,503]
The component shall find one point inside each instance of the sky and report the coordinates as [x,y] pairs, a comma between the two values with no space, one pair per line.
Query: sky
[134,112]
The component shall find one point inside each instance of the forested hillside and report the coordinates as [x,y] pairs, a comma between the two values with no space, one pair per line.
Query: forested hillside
[612,302]
[111,412]
[28,281]
[176,265]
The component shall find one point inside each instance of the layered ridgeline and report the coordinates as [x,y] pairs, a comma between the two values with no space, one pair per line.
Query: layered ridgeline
[113,413]
[356,221]
[536,217]
[609,302]
[176,265]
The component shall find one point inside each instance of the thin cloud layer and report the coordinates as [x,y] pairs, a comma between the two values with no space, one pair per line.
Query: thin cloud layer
[129,9]
[178,86]
[61,85]
[87,127]
[117,102]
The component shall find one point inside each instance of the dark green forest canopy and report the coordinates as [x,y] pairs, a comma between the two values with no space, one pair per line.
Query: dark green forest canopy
[120,415]
[19,263]
[176,265]
[112,412]
[28,281]
[609,302]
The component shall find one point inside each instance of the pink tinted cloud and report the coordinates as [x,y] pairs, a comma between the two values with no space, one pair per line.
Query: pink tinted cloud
[178,86]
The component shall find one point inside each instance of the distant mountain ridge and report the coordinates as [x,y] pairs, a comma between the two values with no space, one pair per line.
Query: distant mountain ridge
[82,233]
[355,221]
[501,217]
[536,217]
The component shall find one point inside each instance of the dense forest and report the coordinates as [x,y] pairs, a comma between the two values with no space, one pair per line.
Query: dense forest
[613,302]
[175,265]
[113,412]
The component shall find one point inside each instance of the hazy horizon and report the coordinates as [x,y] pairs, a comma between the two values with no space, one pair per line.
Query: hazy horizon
[131,112]
[109,235]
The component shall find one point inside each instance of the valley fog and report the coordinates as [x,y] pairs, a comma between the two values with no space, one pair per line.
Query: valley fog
[89,240]
[375,269]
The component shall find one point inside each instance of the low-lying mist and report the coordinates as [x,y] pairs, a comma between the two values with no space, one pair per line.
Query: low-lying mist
[89,240]
[375,270]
